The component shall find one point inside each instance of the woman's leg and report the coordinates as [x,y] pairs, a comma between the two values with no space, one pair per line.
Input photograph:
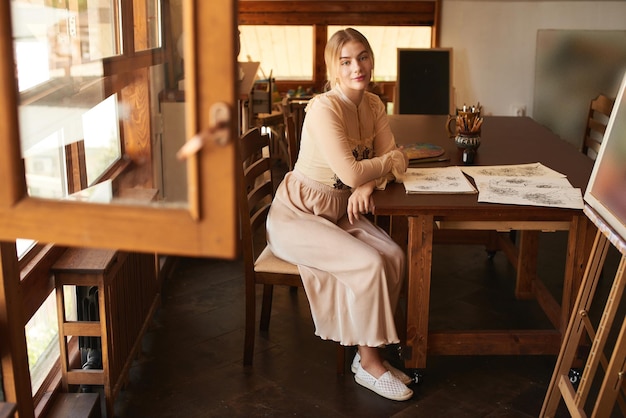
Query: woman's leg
[373,375]
[371,361]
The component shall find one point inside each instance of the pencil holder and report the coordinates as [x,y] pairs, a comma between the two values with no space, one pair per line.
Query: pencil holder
[466,120]
[467,140]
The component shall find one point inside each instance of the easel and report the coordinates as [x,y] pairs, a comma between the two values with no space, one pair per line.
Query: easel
[613,383]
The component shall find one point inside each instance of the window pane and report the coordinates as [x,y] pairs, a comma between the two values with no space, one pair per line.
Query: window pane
[59,47]
[385,41]
[42,338]
[284,51]
[53,40]
[23,246]
[102,138]
[45,167]
[98,29]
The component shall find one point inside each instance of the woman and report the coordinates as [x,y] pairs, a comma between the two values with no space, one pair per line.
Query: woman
[352,271]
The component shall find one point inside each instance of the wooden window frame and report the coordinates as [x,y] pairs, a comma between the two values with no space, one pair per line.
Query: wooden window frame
[321,14]
[207,226]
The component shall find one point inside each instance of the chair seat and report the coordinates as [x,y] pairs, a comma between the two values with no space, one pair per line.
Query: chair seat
[267,262]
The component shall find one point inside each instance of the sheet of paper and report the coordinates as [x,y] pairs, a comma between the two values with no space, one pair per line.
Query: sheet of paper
[436,180]
[503,183]
[533,196]
[512,170]
[533,191]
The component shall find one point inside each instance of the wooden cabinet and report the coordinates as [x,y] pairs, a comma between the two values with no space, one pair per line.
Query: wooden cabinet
[128,294]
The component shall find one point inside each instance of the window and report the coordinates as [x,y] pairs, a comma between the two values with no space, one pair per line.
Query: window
[60,78]
[60,40]
[69,123]
[385,41]
[23,246]
[284,51]
[102,138]
[46,130]
[44,161]
[287,51]
[42,336]
[399,24]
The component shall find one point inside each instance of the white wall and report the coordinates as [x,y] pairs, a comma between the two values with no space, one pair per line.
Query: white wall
[494,44]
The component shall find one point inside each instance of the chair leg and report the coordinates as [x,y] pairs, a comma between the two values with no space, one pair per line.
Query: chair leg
[250,329]
[266,306]
[266,311]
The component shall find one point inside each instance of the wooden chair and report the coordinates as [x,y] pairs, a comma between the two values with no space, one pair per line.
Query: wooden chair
[597,119]
[293,143]
[291,133]
[261,266]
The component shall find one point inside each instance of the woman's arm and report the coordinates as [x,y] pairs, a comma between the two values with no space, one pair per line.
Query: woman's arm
[360,201]
[385,142]
[333,142]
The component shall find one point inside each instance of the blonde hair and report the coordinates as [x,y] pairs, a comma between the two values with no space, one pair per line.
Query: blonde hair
[335,44]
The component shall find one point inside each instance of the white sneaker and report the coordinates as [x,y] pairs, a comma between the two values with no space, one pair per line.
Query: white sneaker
[387,385]
[399,374]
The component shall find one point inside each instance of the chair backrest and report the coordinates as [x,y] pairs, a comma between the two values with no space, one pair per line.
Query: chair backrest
[256,192]
[597,119]
[293,144]
[291,134]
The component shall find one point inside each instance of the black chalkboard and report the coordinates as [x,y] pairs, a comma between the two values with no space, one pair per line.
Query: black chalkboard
[424,81]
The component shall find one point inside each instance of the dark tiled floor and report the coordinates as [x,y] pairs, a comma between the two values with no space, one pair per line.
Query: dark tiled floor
[191,365]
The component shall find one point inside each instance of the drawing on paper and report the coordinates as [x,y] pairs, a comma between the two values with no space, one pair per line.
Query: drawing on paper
[533,191]
[436,180]
[513,170]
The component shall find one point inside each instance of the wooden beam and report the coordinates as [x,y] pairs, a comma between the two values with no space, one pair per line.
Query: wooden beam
[509,342]
[396,13]
[319,71]
[13,351]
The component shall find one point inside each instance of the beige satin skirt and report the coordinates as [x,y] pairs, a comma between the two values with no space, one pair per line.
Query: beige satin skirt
[352,274]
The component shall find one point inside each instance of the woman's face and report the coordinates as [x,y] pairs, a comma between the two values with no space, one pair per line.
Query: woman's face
[355,67]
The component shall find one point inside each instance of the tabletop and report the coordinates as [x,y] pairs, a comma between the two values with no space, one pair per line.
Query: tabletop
[504,140]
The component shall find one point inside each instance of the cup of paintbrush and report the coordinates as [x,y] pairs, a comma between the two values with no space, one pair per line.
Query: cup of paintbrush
[464,120]
[468,131]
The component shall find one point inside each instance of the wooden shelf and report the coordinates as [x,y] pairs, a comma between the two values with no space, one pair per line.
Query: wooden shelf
[127,294]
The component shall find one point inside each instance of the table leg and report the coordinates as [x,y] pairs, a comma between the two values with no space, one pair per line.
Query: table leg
[527,264]
[420,252]
[579,243]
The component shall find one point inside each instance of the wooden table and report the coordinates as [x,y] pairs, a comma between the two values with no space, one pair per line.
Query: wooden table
[505,140]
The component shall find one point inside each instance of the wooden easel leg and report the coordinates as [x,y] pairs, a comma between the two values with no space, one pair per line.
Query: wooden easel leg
[613,381]
[575,327]
[601,335]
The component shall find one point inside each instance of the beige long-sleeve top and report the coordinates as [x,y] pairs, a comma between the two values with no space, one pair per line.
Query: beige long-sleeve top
[345,145]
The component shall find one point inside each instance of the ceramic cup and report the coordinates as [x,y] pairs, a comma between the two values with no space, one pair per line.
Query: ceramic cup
[464,121]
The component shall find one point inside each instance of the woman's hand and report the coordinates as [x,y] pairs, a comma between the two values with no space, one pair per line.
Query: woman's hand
[360,201]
